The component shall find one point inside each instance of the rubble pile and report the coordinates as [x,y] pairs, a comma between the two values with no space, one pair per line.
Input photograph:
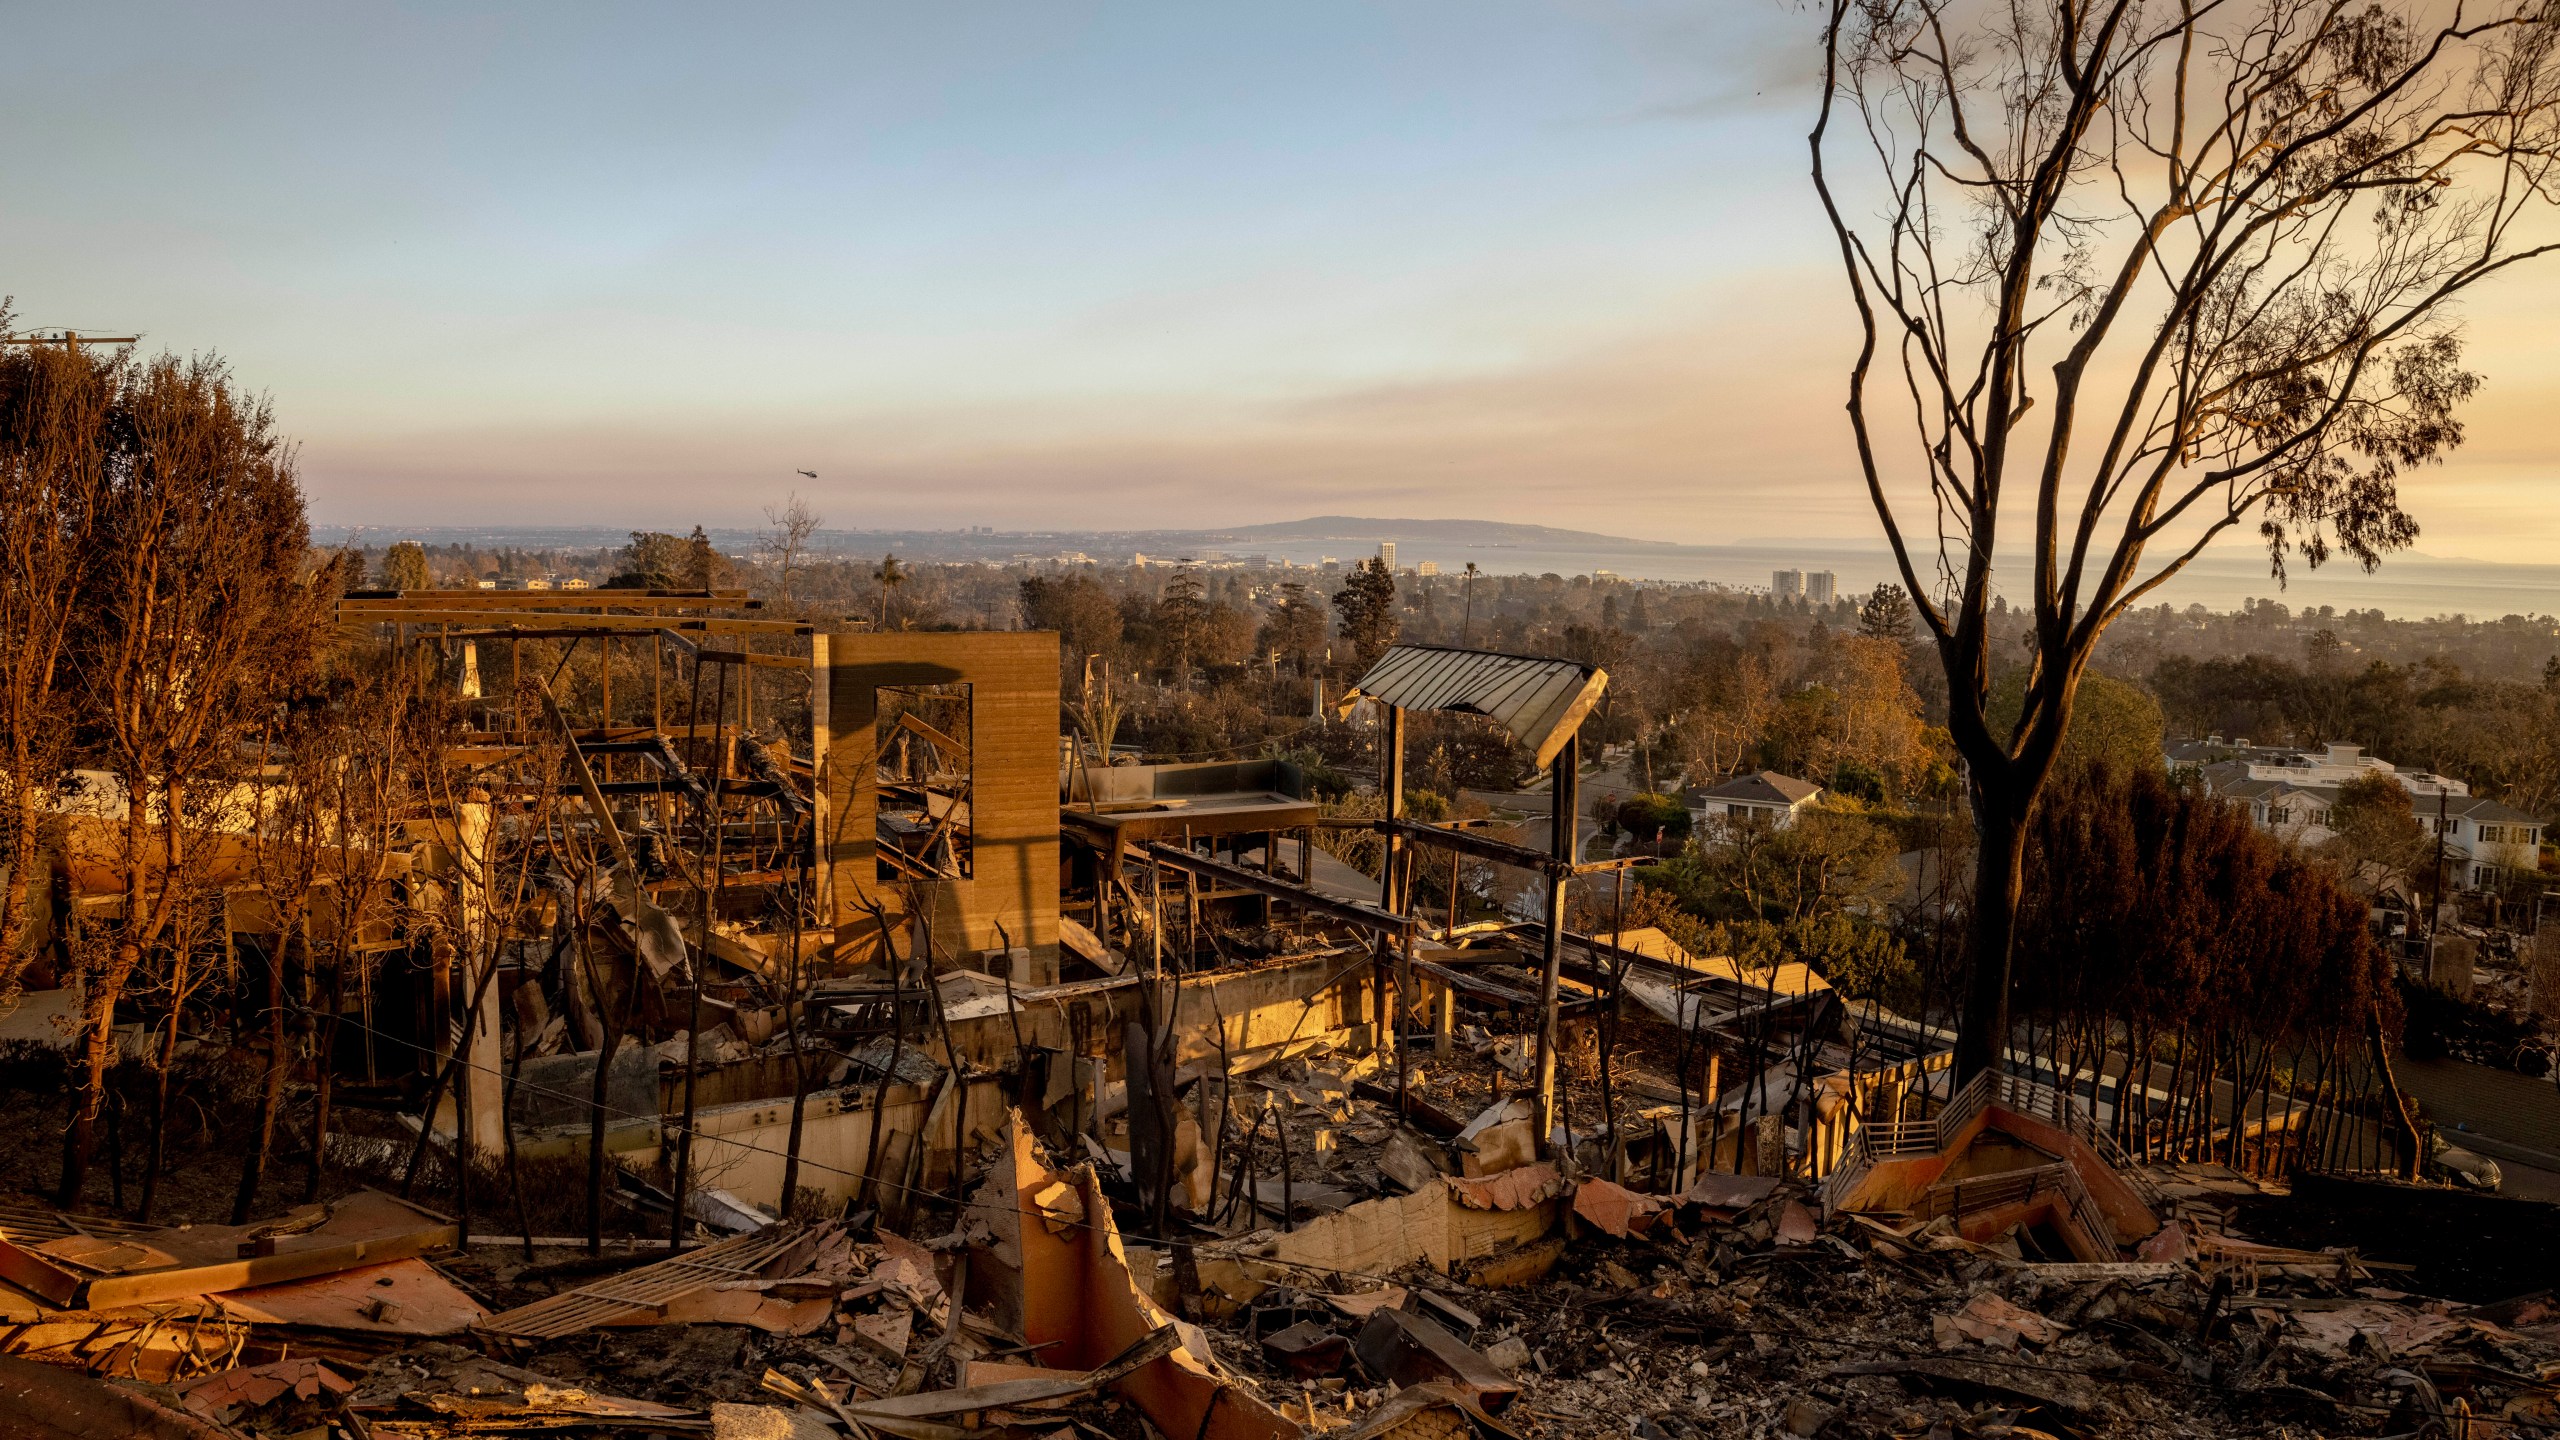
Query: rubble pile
[1726,1327]
[1237,1157]
[1535,1301]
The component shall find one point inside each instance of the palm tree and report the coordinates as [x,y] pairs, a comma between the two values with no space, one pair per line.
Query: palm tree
[1467,634]
[891,574]
[1099,715]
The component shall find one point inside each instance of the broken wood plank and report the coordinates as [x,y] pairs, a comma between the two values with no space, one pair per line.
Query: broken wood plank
[1404,1347]
[1155,1346]
[47,1402]
[423,1302]
[1351,912]
[2075,1272]
[2010,1379]
[364,1228]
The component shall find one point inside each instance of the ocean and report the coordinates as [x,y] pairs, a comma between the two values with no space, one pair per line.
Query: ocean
[2406,587]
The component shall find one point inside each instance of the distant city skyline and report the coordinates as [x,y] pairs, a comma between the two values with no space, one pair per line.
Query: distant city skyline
[2410,586]
[1135,266]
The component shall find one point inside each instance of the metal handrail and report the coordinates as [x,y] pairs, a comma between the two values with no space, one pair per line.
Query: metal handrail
[1843,1179]
[2034,1097]
[1961,1109]
[1950,1197]
[1898,1137]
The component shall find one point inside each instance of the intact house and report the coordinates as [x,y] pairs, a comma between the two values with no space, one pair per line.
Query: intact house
[1767,797]
[2291,793]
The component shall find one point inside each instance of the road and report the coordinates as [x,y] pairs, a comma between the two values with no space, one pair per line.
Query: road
[2511,1118]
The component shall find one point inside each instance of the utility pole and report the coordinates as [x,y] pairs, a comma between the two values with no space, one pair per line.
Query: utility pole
[68,339]
[2435,919]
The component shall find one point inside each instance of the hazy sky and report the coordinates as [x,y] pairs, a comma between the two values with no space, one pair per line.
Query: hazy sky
[1011,264]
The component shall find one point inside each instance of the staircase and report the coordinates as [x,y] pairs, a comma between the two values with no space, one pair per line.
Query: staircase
[1900,1138]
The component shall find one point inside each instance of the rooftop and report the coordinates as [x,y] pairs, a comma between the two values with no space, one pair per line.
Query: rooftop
[1767,787]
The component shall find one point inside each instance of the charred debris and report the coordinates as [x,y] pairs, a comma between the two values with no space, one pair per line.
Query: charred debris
[929,1076]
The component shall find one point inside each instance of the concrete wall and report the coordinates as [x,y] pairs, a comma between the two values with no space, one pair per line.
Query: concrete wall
[742,1148]
[1130,784]
[1258,1007]
[1013,680]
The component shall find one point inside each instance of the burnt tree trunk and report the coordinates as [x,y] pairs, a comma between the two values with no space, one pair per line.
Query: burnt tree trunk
[253,1165]
[99,1055]
[613,1033]
[159,1148]
[2000,825]
[324,1048]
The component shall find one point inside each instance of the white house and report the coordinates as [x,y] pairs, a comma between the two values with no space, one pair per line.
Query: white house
[1767,796]
[2291,792]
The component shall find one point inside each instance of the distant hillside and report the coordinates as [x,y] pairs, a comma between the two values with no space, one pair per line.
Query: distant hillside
[1453,532]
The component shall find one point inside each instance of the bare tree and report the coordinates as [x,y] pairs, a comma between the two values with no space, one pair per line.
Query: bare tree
[793,523]
[54,406]
[2151,271]
[289,846]
[198,611]
[340,762]
[384,727]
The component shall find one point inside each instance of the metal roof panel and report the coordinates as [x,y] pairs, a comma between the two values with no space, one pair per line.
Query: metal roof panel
[1540,701]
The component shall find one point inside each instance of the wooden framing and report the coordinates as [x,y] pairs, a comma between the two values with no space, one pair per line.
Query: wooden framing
[1350,912]
[489,618]
[1011,894]
[476,599]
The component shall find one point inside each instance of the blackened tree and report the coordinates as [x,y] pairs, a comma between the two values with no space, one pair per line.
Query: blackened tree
[2144,274]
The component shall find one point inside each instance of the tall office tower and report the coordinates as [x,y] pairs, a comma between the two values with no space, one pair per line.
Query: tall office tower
[1387,554]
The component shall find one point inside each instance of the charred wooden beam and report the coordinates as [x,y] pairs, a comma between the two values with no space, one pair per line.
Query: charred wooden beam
[1350,912]
[699,625]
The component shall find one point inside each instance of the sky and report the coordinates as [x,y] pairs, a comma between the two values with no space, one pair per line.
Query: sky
[1023,265]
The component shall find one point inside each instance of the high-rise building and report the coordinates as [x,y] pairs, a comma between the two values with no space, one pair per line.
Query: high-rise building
[1427,568]
[1821,587]
[1786,585]
[1387,554]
